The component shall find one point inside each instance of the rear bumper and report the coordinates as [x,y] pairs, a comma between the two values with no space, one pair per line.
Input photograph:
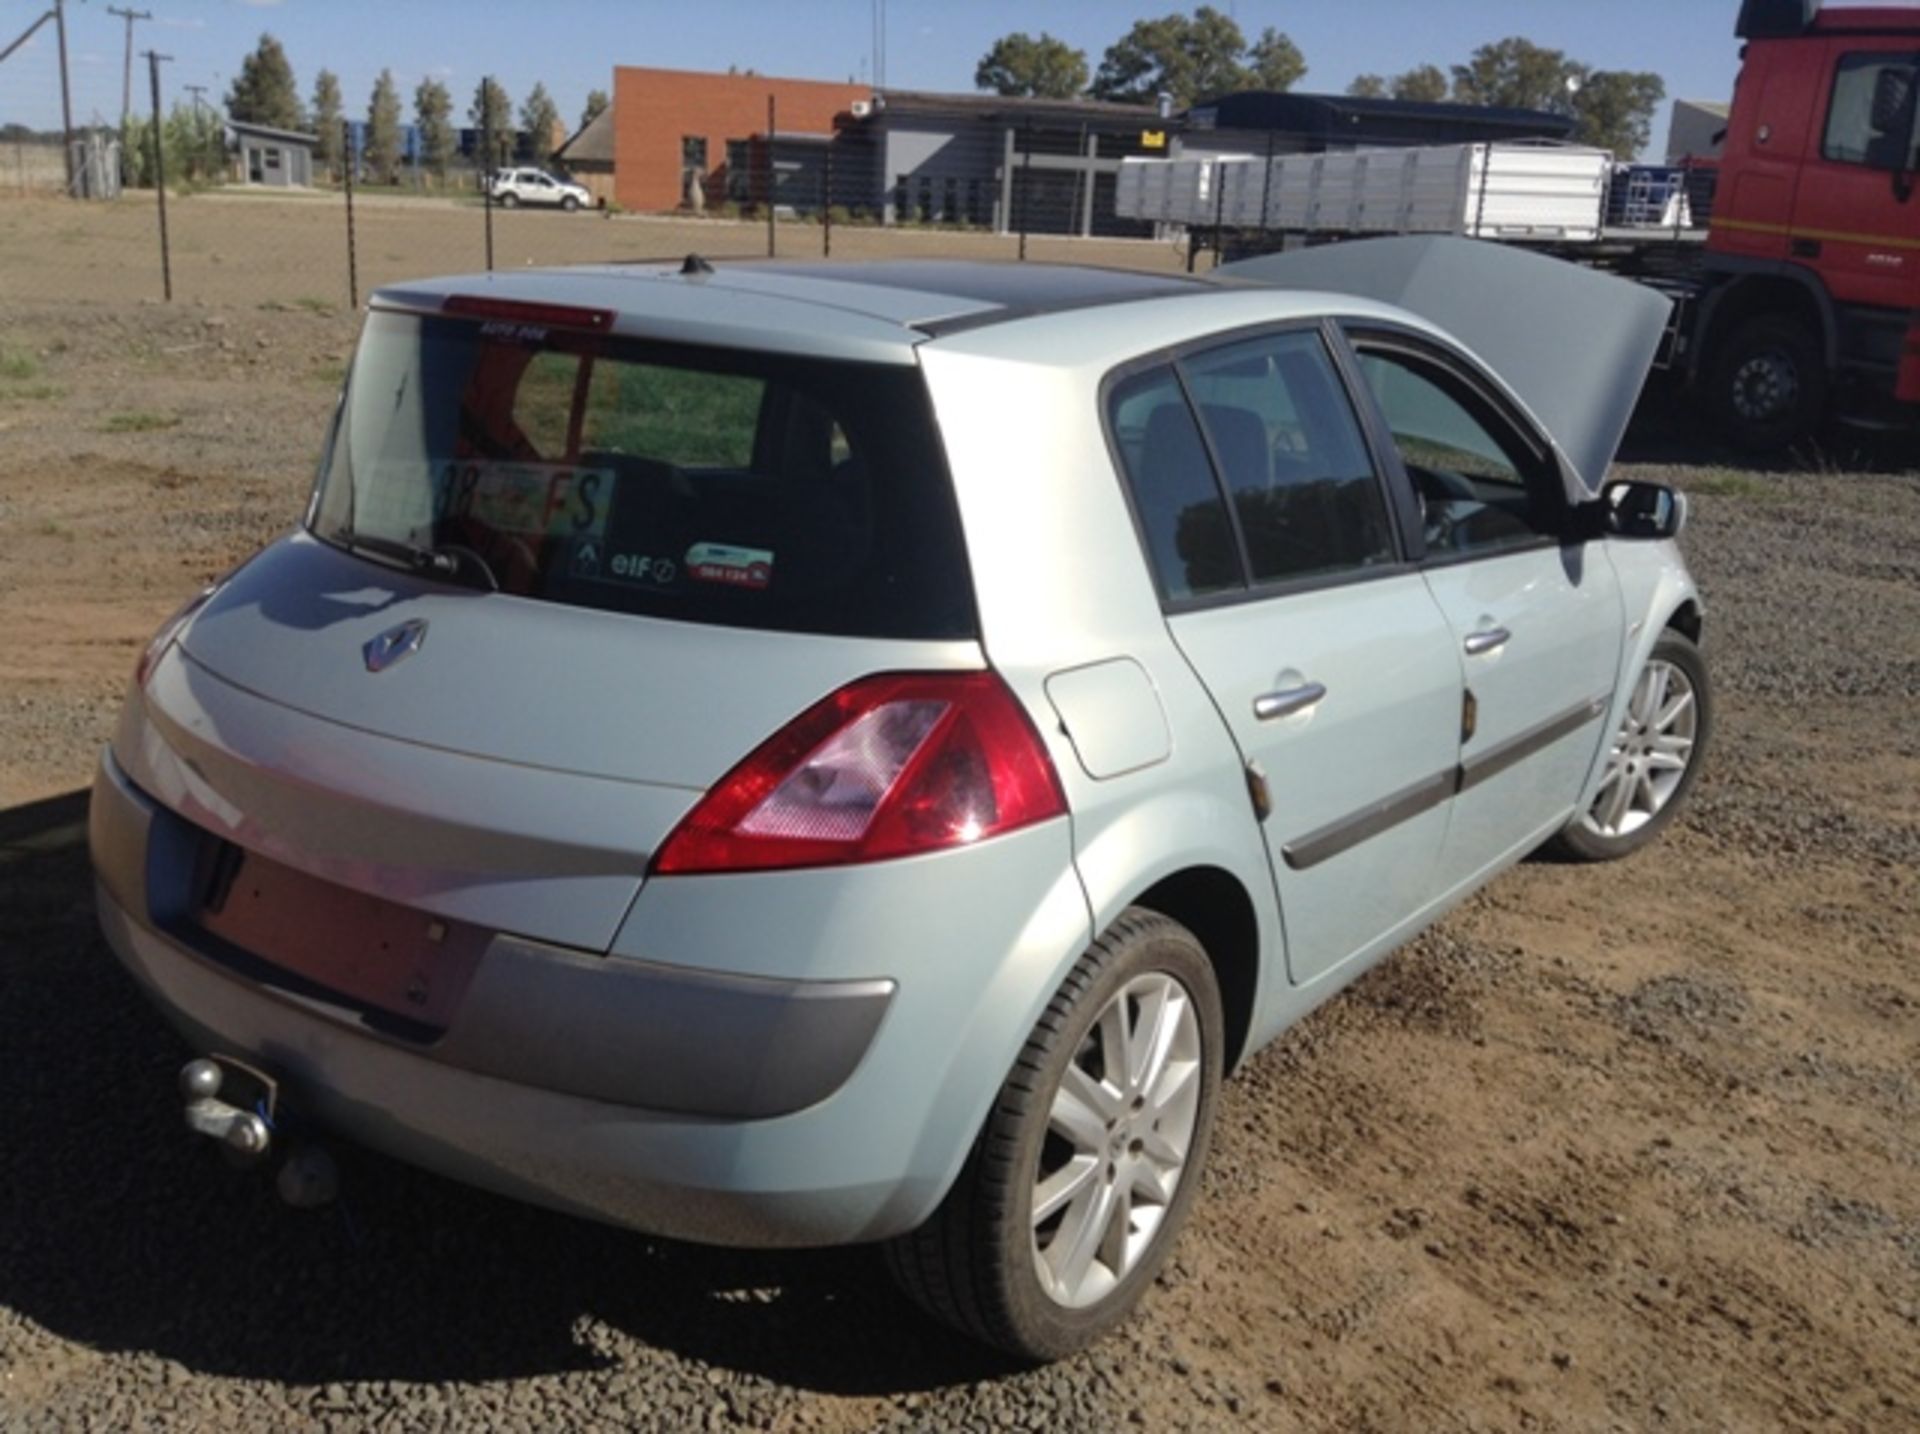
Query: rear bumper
[728,1109]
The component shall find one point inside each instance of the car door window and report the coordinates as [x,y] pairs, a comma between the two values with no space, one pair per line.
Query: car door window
[1481,486]
[1872,119]
[1292,458]
[1183,519]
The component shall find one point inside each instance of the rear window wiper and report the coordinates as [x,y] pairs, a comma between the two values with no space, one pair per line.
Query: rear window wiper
[451,561]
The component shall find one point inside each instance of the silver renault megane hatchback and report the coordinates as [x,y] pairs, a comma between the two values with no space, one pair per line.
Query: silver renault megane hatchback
[800,754]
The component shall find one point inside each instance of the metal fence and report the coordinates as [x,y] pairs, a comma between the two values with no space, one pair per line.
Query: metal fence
[973,189]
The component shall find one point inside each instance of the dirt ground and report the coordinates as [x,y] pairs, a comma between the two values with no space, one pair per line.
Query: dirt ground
[1625,1147]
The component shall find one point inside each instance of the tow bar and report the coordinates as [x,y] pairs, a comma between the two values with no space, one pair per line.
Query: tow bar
[246,1130]
[230,1102]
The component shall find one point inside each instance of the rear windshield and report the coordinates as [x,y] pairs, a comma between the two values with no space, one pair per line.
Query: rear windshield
[706,485]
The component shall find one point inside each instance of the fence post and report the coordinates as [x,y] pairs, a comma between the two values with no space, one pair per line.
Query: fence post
[159,173]
[1024,200]
[486,163]
[353,262]
[770,176]
[826,205]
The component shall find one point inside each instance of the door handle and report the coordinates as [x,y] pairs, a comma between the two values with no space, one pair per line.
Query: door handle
[1288,700]
[1488,639]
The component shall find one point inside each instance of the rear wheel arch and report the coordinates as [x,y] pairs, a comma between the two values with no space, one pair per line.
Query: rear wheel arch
[1213,904]
[1787,293]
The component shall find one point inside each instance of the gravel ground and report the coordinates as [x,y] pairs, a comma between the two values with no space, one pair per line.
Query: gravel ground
[1624,1147]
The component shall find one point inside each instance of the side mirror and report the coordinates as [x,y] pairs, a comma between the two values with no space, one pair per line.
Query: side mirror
[1892,102]
[1641,510]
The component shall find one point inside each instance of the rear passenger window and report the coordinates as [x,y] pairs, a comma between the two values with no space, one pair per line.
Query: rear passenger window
[1182,515]
[1292,456]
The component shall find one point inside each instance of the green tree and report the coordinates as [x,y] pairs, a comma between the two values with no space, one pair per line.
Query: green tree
[539,117]
[326,122]
[1368,87]
[1033,67]
[1274,62]
[597,102]
[1426,84]
[382,154]
[433,113]
[1517,73]
[491,110]
[1614,110]
[196,145]
[264,92]
[1190,57]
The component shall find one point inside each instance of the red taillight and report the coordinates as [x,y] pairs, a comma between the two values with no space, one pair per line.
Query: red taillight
[168,631]
[892,765]
[519,311]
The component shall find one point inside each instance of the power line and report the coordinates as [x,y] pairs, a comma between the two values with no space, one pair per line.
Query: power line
[126,83]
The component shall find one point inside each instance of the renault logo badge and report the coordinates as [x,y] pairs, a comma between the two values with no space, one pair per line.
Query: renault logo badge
[395,643]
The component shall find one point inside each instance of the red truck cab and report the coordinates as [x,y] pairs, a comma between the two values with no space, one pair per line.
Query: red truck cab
[1815,240]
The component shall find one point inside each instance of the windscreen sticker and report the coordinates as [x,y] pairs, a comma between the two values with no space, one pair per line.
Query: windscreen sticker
[532,499]
[734,567]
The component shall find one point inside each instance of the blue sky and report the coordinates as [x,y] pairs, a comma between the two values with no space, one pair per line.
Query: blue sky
[572,45]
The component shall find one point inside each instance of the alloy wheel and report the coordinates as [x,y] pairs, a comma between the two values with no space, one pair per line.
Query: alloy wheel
[1120,1128]
[1650,753]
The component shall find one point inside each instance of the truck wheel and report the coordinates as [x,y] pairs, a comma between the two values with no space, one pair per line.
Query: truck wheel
[1078,1183]
[1768,384]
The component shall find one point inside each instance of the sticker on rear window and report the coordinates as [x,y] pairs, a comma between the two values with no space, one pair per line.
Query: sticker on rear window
[735,567]
[530,499]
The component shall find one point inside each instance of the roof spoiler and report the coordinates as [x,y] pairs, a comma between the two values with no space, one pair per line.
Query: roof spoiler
[1775,19]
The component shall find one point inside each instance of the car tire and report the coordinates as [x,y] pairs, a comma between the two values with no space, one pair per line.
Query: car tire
[1607,830]
[509,200]
[1768,384]
[569,203]
[982,1263]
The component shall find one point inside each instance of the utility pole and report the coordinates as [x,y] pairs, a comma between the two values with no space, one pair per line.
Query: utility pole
[126,82]
[196,91]
[66,93]
[160,171]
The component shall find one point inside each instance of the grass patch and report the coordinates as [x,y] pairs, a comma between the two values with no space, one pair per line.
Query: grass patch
[18,365]
[1726,483]
[306,303]
[140,421]
[51,529]
[329,375]
[33,392]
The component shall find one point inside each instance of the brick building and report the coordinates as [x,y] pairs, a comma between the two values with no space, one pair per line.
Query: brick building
[671,125]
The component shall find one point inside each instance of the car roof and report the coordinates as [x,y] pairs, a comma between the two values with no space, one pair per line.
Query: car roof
[874,310]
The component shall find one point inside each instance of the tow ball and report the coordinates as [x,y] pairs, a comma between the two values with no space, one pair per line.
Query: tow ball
[230,1102]
[244,1129]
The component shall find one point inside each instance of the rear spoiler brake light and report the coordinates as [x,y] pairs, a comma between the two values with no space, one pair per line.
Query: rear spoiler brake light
[518,311]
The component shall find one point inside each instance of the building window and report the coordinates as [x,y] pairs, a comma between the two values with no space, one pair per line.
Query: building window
[273,159]
[926,200]
[693,152]
[900,214]
[950,205]
[974,213]
[739,171]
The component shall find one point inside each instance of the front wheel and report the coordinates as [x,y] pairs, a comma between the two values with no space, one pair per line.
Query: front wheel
[509,200]
[1654,758]
[1083,1174]
[569,203]
[1768,384]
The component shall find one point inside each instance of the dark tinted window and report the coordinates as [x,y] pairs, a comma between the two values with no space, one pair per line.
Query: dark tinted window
[1181,511]
[1293,458]
[1872,118]
[1481,488]
[713,486]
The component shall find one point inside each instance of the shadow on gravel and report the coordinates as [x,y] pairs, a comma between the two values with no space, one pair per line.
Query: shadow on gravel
[120,1231]
[1669,430]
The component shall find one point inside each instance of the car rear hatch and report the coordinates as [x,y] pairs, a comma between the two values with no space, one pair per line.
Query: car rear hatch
[554,586]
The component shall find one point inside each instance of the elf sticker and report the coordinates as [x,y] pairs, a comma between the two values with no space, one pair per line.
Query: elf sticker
[724,563]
